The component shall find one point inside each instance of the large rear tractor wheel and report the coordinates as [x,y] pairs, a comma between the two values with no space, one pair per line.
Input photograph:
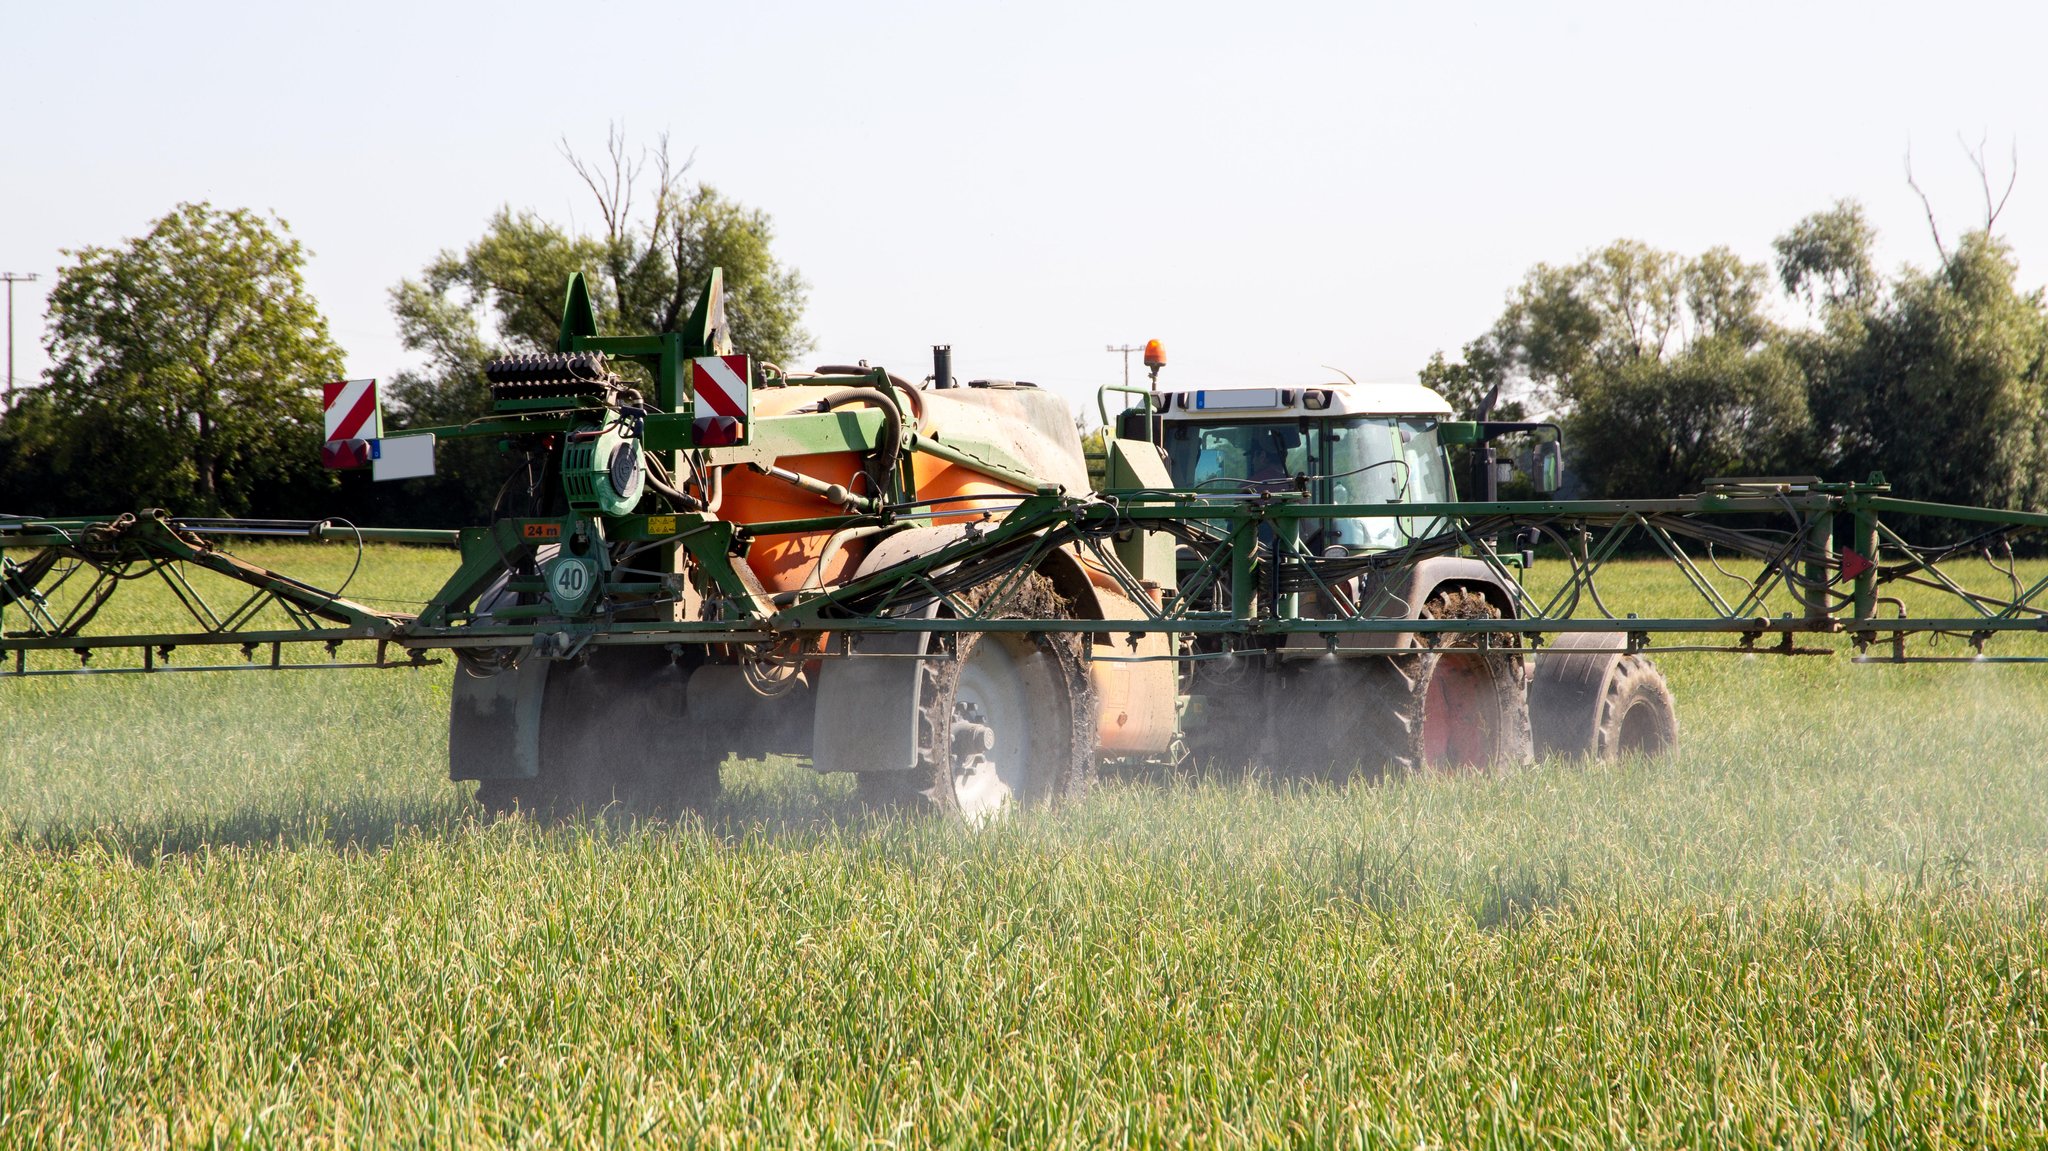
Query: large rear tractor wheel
[1475,706]
[1335,718]
[1009,723]
[1450,706]
[1593,701]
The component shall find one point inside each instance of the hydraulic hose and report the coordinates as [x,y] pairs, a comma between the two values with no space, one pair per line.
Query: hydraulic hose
[890,450]
[892,416]
[683,501]
[857,370]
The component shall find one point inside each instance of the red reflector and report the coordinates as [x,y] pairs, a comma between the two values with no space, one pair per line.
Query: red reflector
[1854,563]
[714,431]
[342,455]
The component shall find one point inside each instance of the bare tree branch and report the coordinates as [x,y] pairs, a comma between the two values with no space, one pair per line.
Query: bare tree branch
[2011,181]
[634,248]
[1927,205]
[1976,155]
[613,191]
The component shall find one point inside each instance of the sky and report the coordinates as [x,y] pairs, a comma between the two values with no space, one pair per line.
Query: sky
[1269,189]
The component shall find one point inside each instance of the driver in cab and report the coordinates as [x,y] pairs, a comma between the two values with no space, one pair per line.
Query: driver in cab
[1265,460]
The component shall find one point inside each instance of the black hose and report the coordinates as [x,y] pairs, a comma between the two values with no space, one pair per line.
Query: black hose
[683,501]
[857,370]
[890,450]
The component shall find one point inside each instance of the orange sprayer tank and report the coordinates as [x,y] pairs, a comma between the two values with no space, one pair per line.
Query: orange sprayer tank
[1023,429]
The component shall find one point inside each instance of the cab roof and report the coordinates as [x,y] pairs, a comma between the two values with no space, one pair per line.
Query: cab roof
[1344,399]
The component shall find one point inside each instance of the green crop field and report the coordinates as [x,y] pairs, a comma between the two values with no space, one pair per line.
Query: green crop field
[250,909]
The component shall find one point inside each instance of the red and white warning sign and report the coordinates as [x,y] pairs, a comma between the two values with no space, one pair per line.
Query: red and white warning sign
[720,384]
[353,420]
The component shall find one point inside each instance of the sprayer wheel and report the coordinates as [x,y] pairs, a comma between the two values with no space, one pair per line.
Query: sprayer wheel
[1601,704]
[614,735]
[1010,722]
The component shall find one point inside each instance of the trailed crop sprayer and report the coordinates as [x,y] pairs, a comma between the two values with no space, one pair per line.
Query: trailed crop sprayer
[699,555]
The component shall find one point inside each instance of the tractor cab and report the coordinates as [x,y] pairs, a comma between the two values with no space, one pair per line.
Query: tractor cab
[1336,443]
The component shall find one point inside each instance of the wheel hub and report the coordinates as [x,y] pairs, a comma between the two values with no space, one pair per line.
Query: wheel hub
[991,736]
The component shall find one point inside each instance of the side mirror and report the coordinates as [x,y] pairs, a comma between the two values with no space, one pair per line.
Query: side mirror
[1549,470]
[1458,433]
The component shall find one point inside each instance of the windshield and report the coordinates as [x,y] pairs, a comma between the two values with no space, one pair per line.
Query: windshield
[1349,460]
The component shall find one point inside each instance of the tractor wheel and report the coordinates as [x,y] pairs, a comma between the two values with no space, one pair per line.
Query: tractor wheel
[1472,708]
[613,731]
[1341,717]
[1600,704]
[1009,723]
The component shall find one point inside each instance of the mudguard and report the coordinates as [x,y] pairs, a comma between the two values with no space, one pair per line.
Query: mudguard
[1412,588]
[866,716]
[494,721]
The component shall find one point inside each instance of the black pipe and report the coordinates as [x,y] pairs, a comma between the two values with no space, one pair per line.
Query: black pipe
[683,501]
[857,370]
[892,416]
[942,365]
[881,466]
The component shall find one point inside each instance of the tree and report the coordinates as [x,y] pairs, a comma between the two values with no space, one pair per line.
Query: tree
[652,268]
[1664,370]
[1662,426]
[644,270]
[1469,383]
[1938,379]
[1944,385]
[503,294]
[1826,258]
[185,367]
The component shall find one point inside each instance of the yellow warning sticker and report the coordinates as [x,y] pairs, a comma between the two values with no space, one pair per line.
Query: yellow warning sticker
[661,525]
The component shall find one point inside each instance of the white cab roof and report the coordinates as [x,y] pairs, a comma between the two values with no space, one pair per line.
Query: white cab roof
[1344,399]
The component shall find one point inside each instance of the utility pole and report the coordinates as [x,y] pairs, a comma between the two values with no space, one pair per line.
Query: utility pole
[1126,349]
[13,278]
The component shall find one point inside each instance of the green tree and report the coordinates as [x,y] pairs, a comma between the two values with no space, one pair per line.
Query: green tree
[185,367]
[1468,383]
[1826,259]
[1664,370]
[1717,408]
[502,294]
[1943,384]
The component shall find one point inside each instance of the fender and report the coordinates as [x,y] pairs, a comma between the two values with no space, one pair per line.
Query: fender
[866,718]
[1412,588]
[494,721]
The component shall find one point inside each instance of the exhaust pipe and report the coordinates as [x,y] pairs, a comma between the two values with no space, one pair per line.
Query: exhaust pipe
[942,365]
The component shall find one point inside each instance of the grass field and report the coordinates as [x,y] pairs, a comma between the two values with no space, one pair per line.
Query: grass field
[249,908]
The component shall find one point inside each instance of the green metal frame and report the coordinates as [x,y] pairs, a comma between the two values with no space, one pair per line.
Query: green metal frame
[1249,565]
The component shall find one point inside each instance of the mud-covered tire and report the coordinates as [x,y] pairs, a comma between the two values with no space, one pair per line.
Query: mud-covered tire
[1600,704]
[1350,716]
[1469,710]
[1031,694]
[614,734]
[1447,706]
